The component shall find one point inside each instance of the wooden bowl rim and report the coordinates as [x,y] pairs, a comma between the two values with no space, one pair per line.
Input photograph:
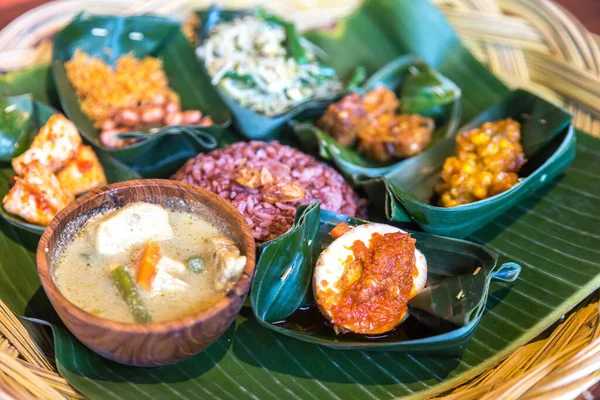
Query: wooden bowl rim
[241,287]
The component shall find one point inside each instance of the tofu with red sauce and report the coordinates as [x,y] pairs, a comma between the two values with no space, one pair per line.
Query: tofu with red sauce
[36,195]
[55,169]
[362,282]
[54,146]
[82,173]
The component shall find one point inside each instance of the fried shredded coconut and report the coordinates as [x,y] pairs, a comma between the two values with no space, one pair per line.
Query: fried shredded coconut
[487,163]
[284,192]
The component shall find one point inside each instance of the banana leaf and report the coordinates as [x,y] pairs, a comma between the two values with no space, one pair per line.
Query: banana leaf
[36,81]
[548,142]
[420,89]
[110,37]
[442,317]
[383,30]
[36,116]
[252,124]
[553,234]
[251,360]
[15,126]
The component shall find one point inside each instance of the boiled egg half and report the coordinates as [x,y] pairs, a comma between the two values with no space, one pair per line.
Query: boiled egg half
[365,289]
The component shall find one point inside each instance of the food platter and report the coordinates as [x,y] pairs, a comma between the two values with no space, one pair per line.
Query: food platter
[556,274]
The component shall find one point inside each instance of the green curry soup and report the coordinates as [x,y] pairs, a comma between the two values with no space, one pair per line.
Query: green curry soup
[144,263]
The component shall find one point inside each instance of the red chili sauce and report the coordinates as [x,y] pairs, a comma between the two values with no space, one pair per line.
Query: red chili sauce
[376,286]
[84,165]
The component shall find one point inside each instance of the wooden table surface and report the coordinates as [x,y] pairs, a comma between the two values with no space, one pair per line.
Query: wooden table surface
[587,11]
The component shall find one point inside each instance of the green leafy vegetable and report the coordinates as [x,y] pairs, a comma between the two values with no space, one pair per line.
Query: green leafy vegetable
[126,286]
[245,78]
[356,79]
[292,38]
[164,151]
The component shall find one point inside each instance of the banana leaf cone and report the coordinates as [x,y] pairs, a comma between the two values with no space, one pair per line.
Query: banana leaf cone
[442,316]
[110,37]
[249,123]
[548,141]
[420,89]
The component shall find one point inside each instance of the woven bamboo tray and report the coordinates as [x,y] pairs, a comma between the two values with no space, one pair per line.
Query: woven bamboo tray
[532,44]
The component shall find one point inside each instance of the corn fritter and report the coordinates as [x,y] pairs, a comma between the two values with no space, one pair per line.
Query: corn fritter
[487,162]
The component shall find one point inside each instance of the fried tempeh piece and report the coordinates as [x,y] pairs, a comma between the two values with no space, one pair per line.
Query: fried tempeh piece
[57,142]
[37,195]
[379,101]
[395,136]
[82,173]
[342,120]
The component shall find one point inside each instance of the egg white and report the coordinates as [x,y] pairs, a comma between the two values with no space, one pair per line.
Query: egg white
[330,265]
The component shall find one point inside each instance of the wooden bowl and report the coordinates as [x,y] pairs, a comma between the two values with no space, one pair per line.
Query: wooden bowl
[156,343]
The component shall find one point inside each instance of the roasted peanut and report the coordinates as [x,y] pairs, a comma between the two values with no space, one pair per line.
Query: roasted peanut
[108,124]
[109,138]
[152,114]
[174,118]
[172,107]
[206,121]
[127,117]
[265,176]
[191,117]
[159,99]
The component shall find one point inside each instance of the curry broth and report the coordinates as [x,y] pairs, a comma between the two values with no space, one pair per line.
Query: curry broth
[82,275]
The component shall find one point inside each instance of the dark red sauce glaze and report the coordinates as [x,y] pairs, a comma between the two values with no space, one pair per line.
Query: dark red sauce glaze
[377,284]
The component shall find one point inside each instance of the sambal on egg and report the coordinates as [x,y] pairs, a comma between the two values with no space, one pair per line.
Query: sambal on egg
[362,282]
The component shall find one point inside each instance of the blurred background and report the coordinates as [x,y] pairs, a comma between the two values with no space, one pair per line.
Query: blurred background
[587,11]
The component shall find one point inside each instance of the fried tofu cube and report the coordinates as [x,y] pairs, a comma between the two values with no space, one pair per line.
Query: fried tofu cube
[55,145]
[37,195]
[165,280]
[82,173]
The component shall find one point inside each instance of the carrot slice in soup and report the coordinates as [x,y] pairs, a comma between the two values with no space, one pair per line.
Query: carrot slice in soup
[147,267]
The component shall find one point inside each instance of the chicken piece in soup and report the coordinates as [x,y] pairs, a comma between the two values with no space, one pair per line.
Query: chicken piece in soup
[145,263]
